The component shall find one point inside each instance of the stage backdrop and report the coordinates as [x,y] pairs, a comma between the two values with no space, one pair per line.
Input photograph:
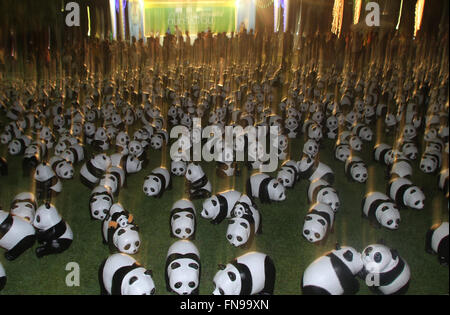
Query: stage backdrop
[192,16]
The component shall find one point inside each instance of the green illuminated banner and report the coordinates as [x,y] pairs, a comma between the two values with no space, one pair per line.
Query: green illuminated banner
[218,16]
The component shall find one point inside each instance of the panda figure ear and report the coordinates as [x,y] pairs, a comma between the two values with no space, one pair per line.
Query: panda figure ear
[149,272]
[337,246]
[221,266]
[394,254]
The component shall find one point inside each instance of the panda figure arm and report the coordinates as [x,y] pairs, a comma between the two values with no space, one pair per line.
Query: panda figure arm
[53,233]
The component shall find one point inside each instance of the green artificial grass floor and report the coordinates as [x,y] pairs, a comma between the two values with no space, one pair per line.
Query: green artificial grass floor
[281,238]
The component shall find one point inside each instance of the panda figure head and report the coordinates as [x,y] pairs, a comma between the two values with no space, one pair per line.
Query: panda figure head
[135,148]
[178,168]
[355,143]
[126,239]
[194,172]
[133,164]
[25,209]
[211,207]
[5,137]
[286,177]
[276,190]
[227,281]
[15,147]
[122,139]
[350,257]
[342,152]
[101,161]
[366,134]
[46,217]
[330,197]
[316,226]
[64,169]
[311,148]
[315,132]
[152,186]
[414,198]
[43,172]
[358,172]
[428,164]
[388,215]
[409,149]
[183,268]
[156,141]
[100,202]
[238,231]
[378,258]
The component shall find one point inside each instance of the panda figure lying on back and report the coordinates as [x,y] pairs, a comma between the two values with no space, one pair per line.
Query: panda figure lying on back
[333,273]
[121,274]
[390,272]
[183,268]
[250,274]
[183,220]
[437,242]
[265,188]
[52,231]
[218,207]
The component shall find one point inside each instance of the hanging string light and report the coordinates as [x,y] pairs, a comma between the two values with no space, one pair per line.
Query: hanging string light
[399,15]
[357,11]
[420,4]
[338,15]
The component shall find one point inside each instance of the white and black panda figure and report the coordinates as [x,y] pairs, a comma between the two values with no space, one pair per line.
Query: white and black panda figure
[120,231]
[3,166]
[16,235]
[244,224]
[250,274]
[74,154]
[390,272]
[183,220]
[121,274]
[363,132]
[100,201]
[437,242]
[318,222]
[383,153]
[18,145]
[333,273]
[342,152]
[311,169]
[288,175]
[129,163]
[3,277]
[198,185]
[356,169]
[410,150]
[405,194]
[47,183]
[311,148]
[443,181]
[136,149]
[265,188]
[380,210]
[178,168]
[113,179]
[430,161]
[52,232]
[183,268]
[122,142]
[33,155]
[157,182]
[62,168]
[93,169]
[219,206]
[401,168]
[24,205]
[321,191]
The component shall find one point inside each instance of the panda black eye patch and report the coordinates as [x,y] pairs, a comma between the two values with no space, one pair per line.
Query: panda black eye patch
[321,221]
[214,203]
[193,266]
[190,216]
[132,280]
[244,225]
[175,265]
[231,275]
[121,231]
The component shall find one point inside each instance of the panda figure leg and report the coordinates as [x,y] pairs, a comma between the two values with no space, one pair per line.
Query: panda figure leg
[100,279]
[200,194]
[269,273]
[54,247]
[20,247]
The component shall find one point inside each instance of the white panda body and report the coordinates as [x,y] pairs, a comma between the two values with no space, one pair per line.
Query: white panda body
[383,153]
[250,274]
[16,235]
[183,219]
[122,274]
[157,182]
[265,188]
[437,241]
[333,273]
[401,168]
[93,170]
[183,268]
[218,207]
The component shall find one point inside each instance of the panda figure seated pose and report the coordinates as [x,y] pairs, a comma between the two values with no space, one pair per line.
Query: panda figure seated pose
[356,169]
[47,182]
[120,231]
[265,188]
[93,170]
[333,273]
[183,220]
[183,268]
[385,265]
[437,242]
[405,194]
[318,221]
[121,274]
[100,202]
[244,224]
[218,207]
[320,191]
[24,205]
[16,235]
[3,166]
[52,231]
[380,210]
[250,274]
[311,169]
[198,185]
[157,182]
